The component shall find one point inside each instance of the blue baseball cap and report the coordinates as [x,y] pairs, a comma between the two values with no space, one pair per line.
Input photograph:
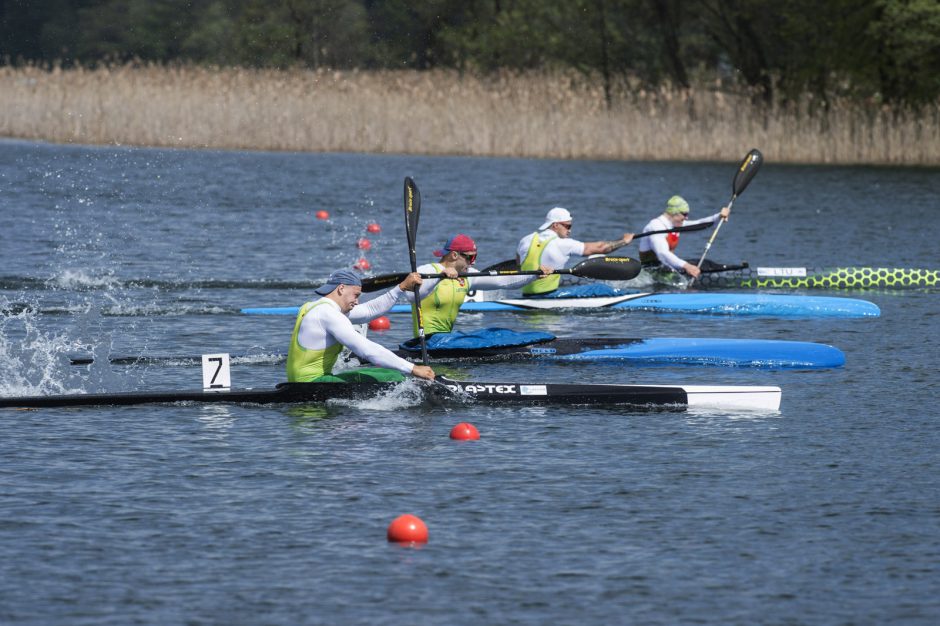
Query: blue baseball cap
[337,278]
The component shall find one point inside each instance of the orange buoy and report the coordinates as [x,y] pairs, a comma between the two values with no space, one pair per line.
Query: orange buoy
[465,431]
[373,228]
[380,323]
[323,215]
[408,529]
[362,264]
[364,244]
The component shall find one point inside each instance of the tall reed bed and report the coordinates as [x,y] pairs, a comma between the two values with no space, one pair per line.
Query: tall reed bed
[536,114]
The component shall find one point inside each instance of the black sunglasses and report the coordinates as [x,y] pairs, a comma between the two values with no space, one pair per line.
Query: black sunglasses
[469,256]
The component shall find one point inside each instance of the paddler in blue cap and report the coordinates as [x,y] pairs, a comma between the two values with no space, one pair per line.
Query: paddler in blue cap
[325,326]
[441,298]
[552,246]
[658,249]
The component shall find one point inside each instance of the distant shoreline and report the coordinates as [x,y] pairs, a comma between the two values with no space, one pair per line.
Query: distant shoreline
[534,115]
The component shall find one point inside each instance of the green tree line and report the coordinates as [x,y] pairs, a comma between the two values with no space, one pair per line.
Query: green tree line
[877,50]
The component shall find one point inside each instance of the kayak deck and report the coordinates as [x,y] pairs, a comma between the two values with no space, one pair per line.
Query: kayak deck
[674,396]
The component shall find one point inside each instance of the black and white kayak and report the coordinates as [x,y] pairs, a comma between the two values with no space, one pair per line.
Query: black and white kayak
[678,397]
[655,351]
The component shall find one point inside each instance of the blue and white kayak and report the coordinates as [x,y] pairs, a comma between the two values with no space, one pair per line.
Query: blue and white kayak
[775,305]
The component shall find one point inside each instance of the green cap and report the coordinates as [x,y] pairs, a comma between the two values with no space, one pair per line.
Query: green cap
[676,205]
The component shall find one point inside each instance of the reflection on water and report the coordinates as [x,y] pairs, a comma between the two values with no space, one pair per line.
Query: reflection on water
[308,416]
[216,417]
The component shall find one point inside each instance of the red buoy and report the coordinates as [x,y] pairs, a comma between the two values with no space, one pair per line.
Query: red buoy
[364,244]
[408,529]
[362,264]
[464,431]
[380,323]
[323,215]
[373,228]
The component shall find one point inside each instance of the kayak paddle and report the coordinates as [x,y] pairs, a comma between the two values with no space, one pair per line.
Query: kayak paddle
[412,212]
[746,171]
[597,268]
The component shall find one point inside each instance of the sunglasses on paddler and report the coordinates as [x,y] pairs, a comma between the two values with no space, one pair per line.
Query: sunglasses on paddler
[470,257]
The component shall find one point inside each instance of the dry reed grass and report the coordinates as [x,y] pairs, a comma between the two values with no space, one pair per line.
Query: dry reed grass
[556,115]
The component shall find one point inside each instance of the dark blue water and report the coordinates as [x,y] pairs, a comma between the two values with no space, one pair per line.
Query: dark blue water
[826,512]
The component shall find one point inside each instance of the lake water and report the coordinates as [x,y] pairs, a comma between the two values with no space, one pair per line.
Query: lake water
[826,512]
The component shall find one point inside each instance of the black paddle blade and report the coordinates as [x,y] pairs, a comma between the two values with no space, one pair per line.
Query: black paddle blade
[747,171]
[383,281]
[412,212]
[607,268]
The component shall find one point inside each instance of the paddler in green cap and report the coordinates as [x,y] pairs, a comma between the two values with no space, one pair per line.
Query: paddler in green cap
[325,326]
[658,249]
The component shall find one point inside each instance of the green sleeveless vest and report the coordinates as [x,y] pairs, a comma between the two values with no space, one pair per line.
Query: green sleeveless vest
[440,308]
[304,365]
[532,261]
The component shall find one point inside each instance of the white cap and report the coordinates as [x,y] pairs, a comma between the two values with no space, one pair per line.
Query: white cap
[557,214]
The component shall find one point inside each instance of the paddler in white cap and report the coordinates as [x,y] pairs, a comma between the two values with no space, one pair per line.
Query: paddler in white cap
[658,249]
[551,245]
[324,326]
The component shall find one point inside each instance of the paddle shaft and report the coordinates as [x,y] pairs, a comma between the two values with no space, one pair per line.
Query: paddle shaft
[677,229]
[412,212]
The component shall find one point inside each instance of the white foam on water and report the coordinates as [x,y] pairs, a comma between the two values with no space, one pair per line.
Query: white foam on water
[408,394]
[81,280]
[155,309]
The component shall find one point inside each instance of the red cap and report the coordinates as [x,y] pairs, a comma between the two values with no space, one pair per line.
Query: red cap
[457,243]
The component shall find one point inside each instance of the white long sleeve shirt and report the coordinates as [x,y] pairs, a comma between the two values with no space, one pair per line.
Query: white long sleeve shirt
[659,244]
[325,325]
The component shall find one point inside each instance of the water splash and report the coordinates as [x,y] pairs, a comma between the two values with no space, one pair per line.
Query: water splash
[81,280]
[408,394]
[31,359]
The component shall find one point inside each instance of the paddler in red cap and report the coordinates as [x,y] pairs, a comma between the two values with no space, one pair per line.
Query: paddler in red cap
[441,298]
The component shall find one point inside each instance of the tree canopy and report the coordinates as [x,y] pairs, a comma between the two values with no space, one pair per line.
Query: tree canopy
[881,50]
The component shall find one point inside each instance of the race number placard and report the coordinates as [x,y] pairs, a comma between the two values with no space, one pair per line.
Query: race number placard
[215,372]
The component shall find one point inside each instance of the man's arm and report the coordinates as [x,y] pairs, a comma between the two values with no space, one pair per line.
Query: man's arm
[341,329]
[606,247]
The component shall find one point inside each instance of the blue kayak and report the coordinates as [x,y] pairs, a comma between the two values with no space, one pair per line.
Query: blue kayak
[691,303]
[759,353]
[655,351]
